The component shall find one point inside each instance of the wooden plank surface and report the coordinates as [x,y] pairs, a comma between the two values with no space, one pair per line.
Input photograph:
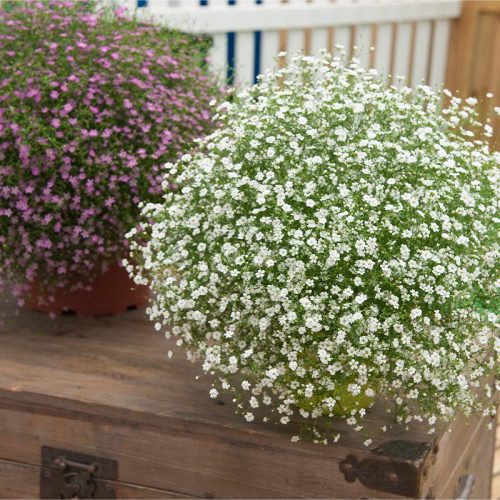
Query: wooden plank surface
[20,481]
[105,387]
[473,61]
[495,486]
[466,449]
[118,367]
[474,459]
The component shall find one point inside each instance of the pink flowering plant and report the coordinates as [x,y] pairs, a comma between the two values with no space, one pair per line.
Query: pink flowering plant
[92,105]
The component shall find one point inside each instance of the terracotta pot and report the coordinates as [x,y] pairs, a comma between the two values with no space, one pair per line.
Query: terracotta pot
[110,293]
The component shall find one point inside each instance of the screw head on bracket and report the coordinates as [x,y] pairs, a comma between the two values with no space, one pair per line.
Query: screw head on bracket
[393,478]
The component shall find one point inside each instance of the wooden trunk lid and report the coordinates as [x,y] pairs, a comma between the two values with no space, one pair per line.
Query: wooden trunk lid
[104,387]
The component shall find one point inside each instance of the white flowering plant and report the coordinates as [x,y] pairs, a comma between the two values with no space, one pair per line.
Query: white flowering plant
[334,239]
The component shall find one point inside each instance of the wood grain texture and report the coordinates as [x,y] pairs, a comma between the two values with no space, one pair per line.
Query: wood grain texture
[476,459]
[473,61]
[495,485]
[495,488]
[133,491]
[463,42]
[105,387]
[19,480]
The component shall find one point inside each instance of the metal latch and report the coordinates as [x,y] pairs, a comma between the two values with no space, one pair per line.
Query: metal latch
[66,474]
[465,486]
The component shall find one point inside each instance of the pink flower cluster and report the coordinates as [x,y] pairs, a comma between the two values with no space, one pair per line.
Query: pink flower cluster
[91,107]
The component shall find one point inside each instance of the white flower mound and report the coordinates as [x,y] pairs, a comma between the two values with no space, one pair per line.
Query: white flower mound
[333,240]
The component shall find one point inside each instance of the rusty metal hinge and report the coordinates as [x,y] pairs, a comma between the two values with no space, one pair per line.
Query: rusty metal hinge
[66,474]
[397,471]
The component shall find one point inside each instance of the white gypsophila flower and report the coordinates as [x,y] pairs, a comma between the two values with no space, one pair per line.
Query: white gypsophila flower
[334,239]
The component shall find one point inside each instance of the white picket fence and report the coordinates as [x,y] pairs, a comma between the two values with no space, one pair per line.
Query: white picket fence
[410,37]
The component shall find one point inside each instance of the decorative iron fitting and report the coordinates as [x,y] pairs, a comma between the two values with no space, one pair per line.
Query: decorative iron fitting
[66,474]
[397,469]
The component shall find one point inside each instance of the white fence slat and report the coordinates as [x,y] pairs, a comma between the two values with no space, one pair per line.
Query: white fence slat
[421,52]
[244,55]
[383,49]
[129,5]
[270,46]
[319,40]
[352,22]
[185,3]
[342,36]
[402,52]
[319,36]
[363,42]
[294,42]
[218,53]
[252,17]
[439,52]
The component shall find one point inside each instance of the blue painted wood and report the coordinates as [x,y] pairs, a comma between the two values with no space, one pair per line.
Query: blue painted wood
[257,50]
[231,52]
[231,57]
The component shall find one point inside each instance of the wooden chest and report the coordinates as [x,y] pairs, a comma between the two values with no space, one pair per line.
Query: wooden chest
[93,408]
